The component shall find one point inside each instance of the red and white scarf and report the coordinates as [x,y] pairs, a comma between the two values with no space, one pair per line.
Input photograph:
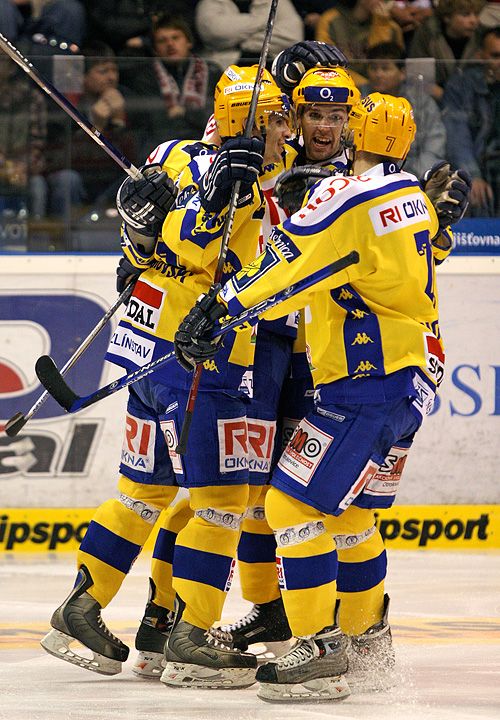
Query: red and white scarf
[194,88]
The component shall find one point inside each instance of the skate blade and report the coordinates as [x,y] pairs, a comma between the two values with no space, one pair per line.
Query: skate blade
[199,676]
[311,691]
[57,644]
[149,665]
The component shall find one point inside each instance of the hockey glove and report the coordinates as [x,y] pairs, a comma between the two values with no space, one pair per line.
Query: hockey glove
[193,342]
[239,158]
[144,204]
[126,273]
[292,186]
[289,66]
[448,192]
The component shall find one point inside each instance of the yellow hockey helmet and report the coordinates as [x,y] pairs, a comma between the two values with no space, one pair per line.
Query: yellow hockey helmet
[326,85]
[383,125]
[233,95]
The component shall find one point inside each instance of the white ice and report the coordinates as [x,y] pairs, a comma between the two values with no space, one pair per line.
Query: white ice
[446,627]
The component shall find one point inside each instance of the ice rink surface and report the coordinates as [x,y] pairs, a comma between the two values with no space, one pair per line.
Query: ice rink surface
[445,616]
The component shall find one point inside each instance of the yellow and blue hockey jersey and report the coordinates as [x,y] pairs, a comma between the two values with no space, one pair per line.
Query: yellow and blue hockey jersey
[373,318]
[183,267]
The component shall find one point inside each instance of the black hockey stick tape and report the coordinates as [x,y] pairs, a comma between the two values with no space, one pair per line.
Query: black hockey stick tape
[15,424]
[53,382]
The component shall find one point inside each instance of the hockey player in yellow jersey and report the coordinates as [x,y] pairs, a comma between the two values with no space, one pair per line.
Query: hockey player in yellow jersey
[377,357]
[321,100]
[179,264]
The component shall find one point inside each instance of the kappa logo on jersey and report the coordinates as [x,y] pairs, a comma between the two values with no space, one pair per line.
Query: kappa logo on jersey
[385,481]
[130,345]
[304,452]
[233,444]
[170,434]
[261,435]
[138,444]
[398,213]
[144,307]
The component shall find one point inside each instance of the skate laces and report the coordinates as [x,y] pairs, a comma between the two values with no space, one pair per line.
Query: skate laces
[302,652]
[217,640]
[104,628]
[242,622]
[221,635]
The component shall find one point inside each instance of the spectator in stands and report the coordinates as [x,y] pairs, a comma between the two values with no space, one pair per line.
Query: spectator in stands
[357,28]
[386,73]
[232,32]
[448,36]
[79,174]
[172,93]
[125,25]
[489,17]
[44,21]
[409,15]
[310,11]
[23,138]
[471,114]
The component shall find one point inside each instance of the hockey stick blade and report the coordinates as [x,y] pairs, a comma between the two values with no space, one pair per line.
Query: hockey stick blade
[51,378]
[54,383]
[15,424]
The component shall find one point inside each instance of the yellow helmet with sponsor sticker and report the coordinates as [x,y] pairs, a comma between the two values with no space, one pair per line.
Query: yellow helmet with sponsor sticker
[326,85]
[383,125]
[233,95]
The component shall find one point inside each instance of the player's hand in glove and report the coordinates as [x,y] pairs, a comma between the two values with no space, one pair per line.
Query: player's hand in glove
[293,185]
[193,342]
[144,204]
[448,191]
[126,273]
[238,158]
[289,66]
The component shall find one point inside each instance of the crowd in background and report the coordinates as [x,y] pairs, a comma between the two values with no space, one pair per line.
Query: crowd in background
[144,71]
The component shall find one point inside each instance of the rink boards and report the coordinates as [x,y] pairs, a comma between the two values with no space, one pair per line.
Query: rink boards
[62,466]
[403,527]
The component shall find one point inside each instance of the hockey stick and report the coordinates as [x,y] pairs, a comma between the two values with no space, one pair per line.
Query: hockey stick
[228,226]
[18,421]
[70,109]
[52,379]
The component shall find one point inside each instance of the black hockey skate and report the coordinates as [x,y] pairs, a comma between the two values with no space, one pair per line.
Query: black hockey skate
[266,624]
[151,637]
[371,657]
[79,618]
[196,658]
[312,671]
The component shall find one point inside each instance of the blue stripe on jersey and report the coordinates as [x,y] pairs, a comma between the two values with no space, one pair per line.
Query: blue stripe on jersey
[348,205]
[109,547]
[362,337]
[360,576]
[254,548]
[202,567]
[308,572]
[164,546]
